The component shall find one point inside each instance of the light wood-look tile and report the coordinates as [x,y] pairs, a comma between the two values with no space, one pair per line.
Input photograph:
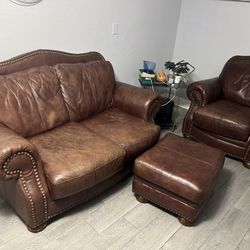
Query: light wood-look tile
[112,210]
[75,237]
[189,238]
[245,243]
[230,231]
[227,174]
[2,243]
[142,215]
[11,227]
[155,234]
[244,202]
[123,186]
[33,242]
[70,219]
[224,198]
[247,235]
[113,237]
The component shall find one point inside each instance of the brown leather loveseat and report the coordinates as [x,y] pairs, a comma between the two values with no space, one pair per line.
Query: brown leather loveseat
[68,131]
[219,114]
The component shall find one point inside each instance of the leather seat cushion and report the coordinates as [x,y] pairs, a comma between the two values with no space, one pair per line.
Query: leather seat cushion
[182,167]
[76,158]
[130,133]
[224,118]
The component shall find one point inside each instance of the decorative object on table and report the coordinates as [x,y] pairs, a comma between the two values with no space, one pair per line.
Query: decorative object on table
[170,79]
[146,78]
[149,66]
[180,69]
[147,74]
[161,77]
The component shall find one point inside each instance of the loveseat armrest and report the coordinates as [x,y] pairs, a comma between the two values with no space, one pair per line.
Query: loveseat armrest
[206,91]
[17,154]
[136,101]
[23,179]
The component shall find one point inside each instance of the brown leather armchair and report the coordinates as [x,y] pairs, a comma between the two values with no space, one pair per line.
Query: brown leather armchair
[219,114]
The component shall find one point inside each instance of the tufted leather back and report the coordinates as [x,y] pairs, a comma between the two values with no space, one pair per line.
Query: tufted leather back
[31,101]
[87,88]
[235,80]
[44,89]
[42,57]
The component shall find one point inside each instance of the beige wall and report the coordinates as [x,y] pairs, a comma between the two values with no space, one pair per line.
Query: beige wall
[147,30]
[210,32]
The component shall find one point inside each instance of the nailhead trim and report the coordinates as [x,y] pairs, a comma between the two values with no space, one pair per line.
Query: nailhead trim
[63,210]
[199,97]
[187,115]
[55,214]
[38,181]
[190,111]
[167,208]
[11,61]
[236,156]
[192,105]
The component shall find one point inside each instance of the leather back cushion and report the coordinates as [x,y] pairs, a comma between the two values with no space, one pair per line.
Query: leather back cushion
[87,88]
[235,79]
[31,101]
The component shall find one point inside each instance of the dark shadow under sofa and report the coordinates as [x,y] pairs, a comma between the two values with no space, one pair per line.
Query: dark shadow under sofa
[68,131]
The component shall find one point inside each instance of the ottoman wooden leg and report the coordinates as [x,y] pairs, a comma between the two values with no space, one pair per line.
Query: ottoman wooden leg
[140,198]
[185,222]
[246,164]
[37,229]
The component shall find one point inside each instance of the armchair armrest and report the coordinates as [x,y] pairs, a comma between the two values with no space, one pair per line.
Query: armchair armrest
[136,101]
[205,91]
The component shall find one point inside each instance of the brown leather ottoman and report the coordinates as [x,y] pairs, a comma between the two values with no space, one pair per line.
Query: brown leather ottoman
[177,174]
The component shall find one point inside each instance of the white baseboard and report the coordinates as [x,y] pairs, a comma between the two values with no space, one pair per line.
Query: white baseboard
[182,102]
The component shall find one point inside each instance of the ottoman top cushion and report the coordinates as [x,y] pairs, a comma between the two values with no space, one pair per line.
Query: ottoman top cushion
[182,167]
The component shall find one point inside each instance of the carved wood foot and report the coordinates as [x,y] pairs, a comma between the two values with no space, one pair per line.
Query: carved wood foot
[246,164]
[185,222]
[37,229]
[140,198]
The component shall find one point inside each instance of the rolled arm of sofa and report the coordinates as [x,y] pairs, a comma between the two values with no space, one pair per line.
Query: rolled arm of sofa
[17,155]
[23,178]
[136,101]
[205,91]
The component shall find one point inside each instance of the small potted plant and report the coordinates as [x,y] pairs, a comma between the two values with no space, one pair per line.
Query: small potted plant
[179,69]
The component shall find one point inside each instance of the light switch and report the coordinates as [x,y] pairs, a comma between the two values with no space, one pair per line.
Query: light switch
[115,29]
